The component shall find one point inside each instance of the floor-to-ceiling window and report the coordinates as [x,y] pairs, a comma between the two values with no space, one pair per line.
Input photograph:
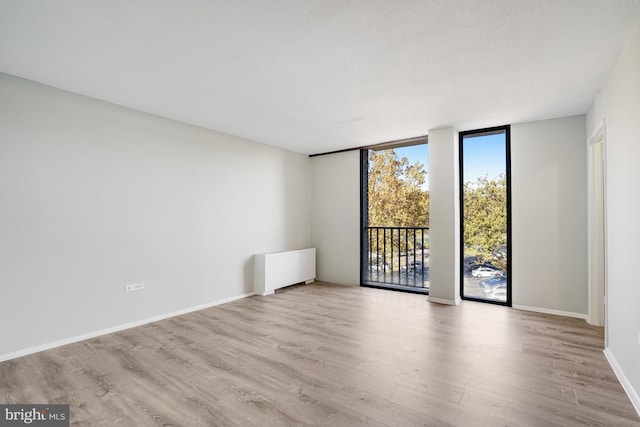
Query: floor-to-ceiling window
[485,215]
[395,216]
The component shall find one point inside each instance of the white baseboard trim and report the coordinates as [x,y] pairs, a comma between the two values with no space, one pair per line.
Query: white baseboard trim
[551,311]
[626,385]
[445,301]
[71,340]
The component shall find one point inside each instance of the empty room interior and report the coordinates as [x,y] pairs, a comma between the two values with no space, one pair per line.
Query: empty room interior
[197,226]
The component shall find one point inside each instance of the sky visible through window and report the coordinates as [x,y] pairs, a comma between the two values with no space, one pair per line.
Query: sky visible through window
[484,156]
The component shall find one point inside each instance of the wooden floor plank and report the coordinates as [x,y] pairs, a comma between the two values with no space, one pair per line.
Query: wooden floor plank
[332,355]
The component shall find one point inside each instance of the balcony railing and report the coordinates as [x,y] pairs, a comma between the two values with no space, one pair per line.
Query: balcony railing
[398,257]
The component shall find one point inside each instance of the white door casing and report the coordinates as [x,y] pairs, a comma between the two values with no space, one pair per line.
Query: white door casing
[597,228]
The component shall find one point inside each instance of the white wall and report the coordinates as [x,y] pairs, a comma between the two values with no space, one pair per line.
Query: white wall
[444,216]
[335,217]
[618,105]
[549,216]
[94,196]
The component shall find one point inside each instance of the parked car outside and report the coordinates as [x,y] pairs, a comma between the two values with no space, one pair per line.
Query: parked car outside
[379,265]
[499,293]
[485,272]
[493,288]
[493,282]
[414,267]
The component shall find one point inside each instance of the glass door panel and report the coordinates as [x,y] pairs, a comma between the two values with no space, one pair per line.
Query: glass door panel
[395,239]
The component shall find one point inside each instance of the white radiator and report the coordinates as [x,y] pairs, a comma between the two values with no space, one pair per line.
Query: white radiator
[279,269]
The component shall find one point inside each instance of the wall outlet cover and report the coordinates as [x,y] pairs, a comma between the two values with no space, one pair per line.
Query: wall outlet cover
[134,287]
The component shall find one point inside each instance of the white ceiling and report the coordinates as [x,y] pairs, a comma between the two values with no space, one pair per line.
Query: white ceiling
[316,76]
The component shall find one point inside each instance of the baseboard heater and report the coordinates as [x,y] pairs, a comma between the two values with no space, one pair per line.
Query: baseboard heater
[276,270]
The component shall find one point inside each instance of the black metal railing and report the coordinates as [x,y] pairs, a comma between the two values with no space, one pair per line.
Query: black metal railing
[398,256]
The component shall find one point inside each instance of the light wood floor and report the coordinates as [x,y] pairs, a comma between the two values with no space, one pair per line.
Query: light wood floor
[330,355]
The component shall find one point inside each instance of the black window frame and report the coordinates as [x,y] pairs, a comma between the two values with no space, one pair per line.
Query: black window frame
[364,213]
[506,129]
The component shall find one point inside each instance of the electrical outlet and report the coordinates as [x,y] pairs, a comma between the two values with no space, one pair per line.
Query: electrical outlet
[134,287]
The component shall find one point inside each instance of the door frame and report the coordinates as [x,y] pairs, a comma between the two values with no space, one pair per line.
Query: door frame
[597,228]
[364,214]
